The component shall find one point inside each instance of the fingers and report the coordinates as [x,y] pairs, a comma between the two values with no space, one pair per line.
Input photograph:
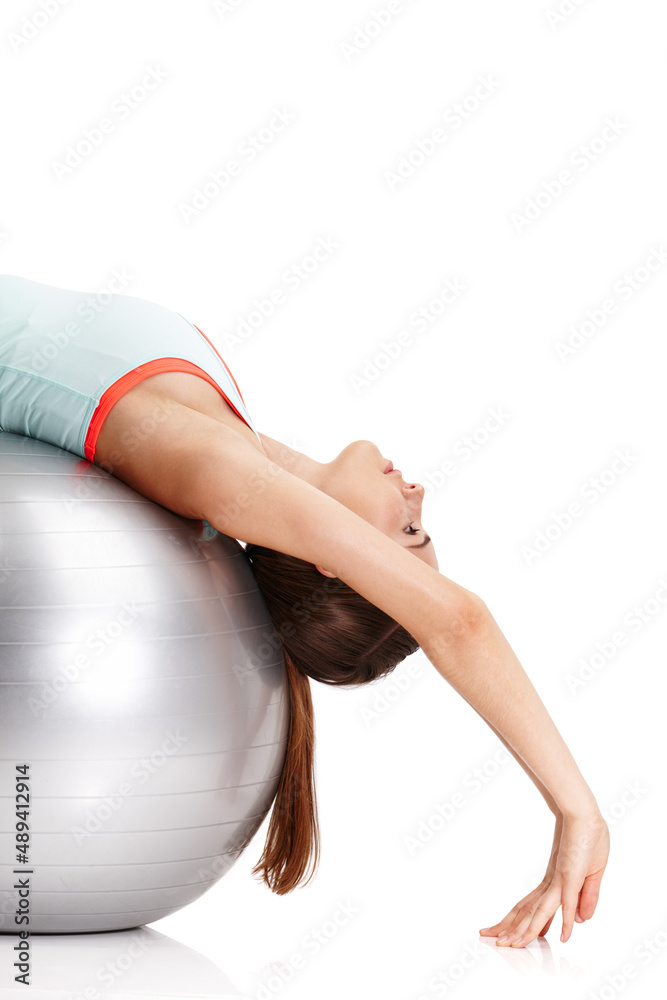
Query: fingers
[589,895]
[533,916]
[510,917]
[570,901]
[532,923]
[502,925]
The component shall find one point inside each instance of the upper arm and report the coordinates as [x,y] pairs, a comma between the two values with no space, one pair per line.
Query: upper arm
[246,495]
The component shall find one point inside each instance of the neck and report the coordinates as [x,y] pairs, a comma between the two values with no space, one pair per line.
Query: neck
[298,464]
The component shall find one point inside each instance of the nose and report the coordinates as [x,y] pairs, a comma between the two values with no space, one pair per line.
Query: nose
[414,489]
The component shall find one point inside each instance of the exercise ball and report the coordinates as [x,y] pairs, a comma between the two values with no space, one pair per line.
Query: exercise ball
[144,703]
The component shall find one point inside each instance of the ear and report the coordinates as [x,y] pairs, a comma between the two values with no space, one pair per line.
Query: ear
[326,572]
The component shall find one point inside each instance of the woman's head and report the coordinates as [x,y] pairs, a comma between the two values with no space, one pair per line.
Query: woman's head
[331,634]
[364,481]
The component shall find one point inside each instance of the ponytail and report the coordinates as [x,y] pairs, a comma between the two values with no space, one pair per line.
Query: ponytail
[328,633]
[292,841]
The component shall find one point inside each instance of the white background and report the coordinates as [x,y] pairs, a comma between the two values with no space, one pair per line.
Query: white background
[355,111]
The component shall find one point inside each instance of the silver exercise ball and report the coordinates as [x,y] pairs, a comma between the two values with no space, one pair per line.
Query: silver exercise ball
[144,704]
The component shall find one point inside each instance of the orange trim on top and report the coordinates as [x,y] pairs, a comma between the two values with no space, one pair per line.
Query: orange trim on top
[213,347]
[134,377]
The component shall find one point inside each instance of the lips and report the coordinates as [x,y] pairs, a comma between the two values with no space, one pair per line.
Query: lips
[389,468]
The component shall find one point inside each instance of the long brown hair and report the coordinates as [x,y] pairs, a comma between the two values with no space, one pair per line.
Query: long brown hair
[332,634]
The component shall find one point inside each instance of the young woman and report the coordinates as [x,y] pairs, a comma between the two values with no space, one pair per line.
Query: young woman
[140,391]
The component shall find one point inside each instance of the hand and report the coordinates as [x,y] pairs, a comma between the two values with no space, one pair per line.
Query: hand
[578,859]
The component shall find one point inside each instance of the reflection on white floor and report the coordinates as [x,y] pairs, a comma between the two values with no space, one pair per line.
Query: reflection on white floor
[129,964]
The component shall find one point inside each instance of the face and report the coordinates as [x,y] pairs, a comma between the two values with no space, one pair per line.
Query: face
[357,478]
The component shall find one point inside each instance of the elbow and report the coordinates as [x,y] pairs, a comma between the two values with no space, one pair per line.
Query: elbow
[464,622]
[471,615]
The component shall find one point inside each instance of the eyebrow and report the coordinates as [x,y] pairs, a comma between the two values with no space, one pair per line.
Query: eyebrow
[420,545]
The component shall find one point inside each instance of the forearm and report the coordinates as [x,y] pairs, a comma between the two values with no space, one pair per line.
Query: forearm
[544,792]
[481,666]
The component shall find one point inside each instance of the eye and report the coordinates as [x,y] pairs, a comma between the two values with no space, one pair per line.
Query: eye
[412,531]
